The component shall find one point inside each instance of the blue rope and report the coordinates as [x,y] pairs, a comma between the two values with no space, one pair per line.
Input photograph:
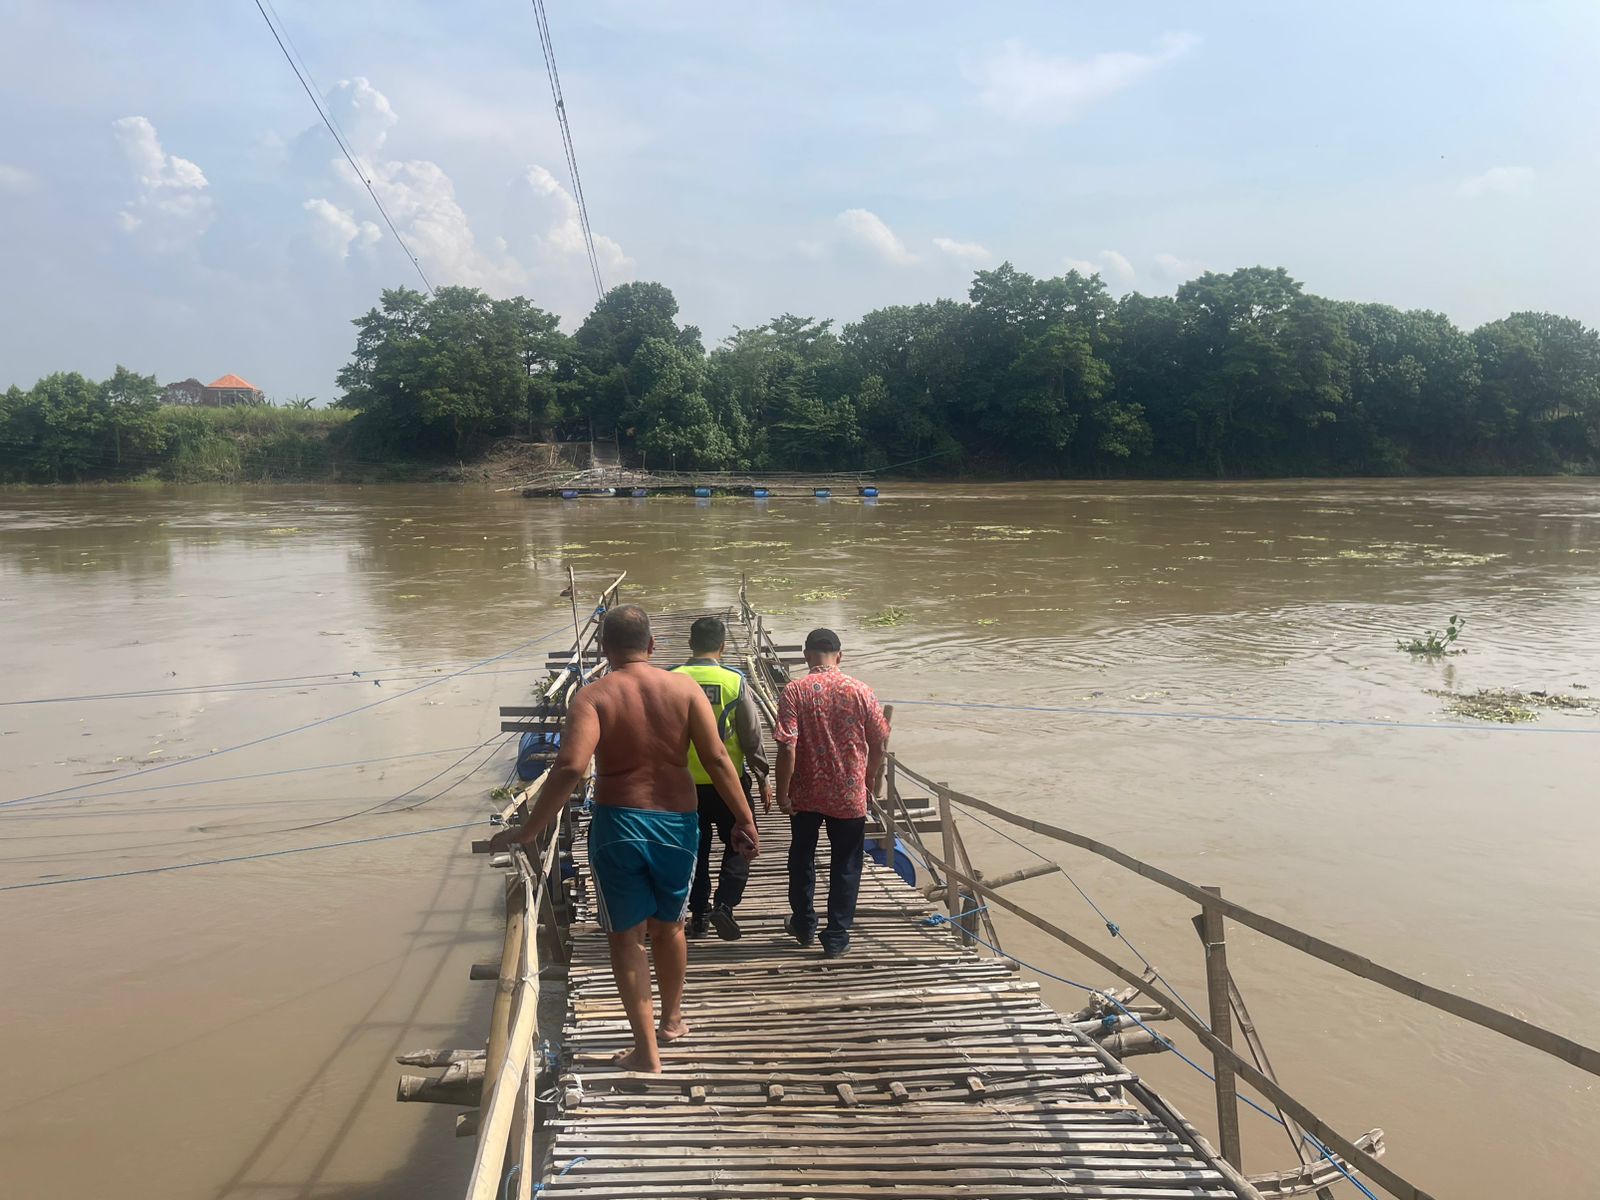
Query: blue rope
[1357,722]
[539,1187]
[942,919]
[349,712]
[213,862]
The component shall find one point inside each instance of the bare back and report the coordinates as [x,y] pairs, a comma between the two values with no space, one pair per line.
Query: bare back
[642,752]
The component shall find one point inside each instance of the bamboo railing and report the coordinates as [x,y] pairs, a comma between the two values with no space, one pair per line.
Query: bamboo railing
[962,886]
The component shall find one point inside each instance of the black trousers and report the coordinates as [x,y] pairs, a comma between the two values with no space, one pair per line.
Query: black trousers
[735,873]
[846,836]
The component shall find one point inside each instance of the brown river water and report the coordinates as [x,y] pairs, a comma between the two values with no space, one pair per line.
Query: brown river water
[229,1030]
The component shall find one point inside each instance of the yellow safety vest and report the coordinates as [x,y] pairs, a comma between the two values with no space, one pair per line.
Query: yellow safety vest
[723,687]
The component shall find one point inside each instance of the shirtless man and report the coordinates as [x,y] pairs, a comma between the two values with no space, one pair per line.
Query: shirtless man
[639,722]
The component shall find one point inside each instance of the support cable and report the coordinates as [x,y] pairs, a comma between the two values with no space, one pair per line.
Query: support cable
[344,149]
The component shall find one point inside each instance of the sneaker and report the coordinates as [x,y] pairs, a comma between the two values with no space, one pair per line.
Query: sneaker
[697,926]
[722,921]
[835,949]
[805,938]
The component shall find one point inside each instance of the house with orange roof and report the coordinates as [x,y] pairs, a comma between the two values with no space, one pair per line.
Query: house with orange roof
[230,389]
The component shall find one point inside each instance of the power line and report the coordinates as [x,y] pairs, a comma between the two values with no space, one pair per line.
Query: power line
[547,45]
[344,149]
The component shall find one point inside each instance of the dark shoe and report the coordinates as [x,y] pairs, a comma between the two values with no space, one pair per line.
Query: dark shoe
[722,921]
[697,926]
[835,949]
[804,937]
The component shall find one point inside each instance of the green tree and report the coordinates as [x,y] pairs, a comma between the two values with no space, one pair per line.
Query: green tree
[675,424]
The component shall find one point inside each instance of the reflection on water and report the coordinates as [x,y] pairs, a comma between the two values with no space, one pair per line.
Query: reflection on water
[230,1030]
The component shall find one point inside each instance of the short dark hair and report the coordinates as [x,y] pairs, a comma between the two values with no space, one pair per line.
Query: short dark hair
[708,634]
[823,641]
[625,628]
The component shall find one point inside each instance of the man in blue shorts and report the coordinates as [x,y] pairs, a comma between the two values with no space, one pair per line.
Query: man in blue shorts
[638,723]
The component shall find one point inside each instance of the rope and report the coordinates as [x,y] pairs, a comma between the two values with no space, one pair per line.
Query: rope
[1253,718]
[328,720]
[214,862]
[539,1187]
[942,919]
[1114,929]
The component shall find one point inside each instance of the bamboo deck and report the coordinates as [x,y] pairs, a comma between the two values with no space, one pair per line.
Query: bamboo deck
[910,1067]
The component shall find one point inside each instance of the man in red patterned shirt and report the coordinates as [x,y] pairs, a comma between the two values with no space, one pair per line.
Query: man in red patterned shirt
[831,735]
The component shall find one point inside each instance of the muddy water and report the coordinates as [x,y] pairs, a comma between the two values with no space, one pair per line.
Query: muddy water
[230,1030]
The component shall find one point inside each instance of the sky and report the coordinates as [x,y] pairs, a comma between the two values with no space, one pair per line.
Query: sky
[170,201]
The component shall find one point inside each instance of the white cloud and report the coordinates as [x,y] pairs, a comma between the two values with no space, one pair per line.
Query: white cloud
[556,211]
[1112,267]
[422,202]
[1497,181]
[17,179]
[335,230]
[970,253]
[1024,85]
[362,113]
[867,231]
[1171,269]
[173,206]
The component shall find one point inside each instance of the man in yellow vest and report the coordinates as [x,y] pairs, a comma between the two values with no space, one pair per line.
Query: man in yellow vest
[740,729]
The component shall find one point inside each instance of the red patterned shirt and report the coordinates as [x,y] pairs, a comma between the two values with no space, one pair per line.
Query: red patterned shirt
[831,720]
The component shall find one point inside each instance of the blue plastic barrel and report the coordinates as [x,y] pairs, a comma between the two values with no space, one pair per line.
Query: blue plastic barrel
[640,493]
[761,493]
[903,866]
[569,493]
[869,491]
[821,493]
[702,492]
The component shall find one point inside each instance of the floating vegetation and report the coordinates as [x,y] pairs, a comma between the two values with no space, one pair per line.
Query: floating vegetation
[756,545]
[988,620]
[285,531]
[889,616]
[1306,537]
[408,596]
[772,581]
[613,542]
[1508,705]
[501,794]
[817,594]
[1433,644]
[1004,533]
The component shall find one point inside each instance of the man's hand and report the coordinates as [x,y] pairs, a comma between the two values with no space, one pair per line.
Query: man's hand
[505,839]
[746,841]
[784,806]
[766,796]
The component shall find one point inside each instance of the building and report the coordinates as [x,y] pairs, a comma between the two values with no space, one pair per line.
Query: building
[229,390]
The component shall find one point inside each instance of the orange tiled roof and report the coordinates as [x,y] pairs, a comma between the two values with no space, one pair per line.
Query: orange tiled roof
[232,381]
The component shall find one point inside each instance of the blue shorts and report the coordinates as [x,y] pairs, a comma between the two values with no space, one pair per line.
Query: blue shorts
[643,862]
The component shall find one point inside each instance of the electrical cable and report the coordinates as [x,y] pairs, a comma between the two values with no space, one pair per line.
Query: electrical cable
[344,149]
[547,46]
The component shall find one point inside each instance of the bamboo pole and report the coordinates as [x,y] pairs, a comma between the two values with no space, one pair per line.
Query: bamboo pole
[1585,1058]
[947,835]
[1215,937]
[506,987]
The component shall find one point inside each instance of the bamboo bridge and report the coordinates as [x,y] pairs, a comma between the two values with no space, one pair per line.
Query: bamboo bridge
[923,1063]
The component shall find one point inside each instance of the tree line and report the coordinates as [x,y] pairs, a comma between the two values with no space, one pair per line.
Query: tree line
[1237,374]
[1240,374]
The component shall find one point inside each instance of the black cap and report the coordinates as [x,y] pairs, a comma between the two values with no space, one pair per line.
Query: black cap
[822,641]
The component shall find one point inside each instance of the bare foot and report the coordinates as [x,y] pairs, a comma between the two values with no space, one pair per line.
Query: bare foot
[636,1060]
[672,1031]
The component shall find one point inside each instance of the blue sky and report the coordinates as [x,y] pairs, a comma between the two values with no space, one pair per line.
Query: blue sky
[169,200]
